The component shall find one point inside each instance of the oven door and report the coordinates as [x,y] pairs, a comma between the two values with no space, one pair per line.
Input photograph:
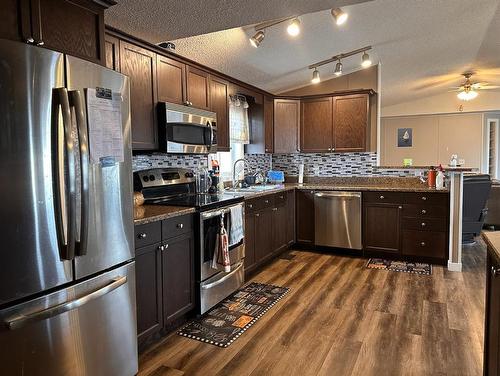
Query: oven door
[210,227]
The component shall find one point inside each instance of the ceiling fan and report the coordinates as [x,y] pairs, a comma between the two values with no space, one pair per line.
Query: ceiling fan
[469,90]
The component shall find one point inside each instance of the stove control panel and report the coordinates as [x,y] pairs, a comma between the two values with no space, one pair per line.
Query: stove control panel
[161,177]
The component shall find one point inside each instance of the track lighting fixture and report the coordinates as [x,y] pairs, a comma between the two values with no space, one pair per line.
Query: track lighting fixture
[257,39]
[294,28]
[339,16]
[365,60]
[338,68]
[316,79]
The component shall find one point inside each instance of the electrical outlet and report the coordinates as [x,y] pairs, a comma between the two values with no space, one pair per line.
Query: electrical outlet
[461,162]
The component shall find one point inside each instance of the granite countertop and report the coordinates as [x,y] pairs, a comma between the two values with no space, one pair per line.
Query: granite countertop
[492,239]
[445,168]
[367,187]
[151,213]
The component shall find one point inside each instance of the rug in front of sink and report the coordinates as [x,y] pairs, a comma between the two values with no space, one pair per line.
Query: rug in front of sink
[229,319]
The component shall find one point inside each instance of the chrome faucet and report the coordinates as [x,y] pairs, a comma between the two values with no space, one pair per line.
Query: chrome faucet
[237,183]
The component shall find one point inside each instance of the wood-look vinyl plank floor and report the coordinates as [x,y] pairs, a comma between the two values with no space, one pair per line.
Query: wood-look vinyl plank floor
[340,318]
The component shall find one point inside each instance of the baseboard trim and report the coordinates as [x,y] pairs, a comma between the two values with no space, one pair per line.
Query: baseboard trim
[454,266]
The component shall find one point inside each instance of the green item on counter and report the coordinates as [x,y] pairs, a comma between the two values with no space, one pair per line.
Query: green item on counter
[407,162]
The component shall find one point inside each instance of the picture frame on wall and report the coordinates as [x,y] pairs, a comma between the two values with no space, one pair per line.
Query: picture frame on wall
[405,137]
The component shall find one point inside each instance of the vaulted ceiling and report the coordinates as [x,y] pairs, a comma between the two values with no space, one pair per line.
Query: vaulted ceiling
[423,46]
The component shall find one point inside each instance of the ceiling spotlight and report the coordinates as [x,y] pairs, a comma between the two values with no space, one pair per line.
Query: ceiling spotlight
[294,27]
[338,68]
[316,79]
[257,39]
[365,60]
[339,16]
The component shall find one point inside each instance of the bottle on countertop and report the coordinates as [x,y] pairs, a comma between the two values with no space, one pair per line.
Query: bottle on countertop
[440,178]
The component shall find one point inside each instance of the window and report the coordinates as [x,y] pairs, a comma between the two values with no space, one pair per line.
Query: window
[239,136]
[493,145]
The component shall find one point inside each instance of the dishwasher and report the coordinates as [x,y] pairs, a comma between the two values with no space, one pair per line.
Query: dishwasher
[337,219]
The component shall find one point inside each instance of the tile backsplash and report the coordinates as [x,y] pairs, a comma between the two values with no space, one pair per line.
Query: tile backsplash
[142,162]
[322,165]
[315,165]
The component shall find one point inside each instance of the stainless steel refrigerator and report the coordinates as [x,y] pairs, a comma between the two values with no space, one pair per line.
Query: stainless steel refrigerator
[67,283]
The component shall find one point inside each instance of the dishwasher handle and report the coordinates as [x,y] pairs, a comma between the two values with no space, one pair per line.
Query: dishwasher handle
[346,195]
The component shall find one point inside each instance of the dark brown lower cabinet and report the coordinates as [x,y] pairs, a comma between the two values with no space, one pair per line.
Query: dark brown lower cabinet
[264,234]
[492,322]
[381,227]
[410,225]
[269,227]
[165,283]
[178,276]
[148,291]
[305,217]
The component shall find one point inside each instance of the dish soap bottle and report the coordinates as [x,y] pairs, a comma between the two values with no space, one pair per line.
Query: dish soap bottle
[440,178]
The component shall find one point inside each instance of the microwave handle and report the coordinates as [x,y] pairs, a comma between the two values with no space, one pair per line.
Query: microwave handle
[211,134]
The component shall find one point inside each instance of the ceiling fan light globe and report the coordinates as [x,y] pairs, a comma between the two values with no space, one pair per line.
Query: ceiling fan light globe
[294,28]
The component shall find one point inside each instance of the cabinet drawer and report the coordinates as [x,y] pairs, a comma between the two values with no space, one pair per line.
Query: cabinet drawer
[280,199]
[424,224]
[383,197]
[440,199]
[424,243]
[425,211]
[177,226]
[260,203]
[147,234]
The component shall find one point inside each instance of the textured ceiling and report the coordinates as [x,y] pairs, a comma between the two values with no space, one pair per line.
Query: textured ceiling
[159,20]
[423,46]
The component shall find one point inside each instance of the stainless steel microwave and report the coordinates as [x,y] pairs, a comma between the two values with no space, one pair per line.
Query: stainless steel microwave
[186,130]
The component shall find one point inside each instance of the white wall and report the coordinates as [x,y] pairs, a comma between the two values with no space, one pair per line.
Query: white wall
[435,138]
[445,103]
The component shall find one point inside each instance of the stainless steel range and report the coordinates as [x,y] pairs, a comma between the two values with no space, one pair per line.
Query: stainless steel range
[177,187]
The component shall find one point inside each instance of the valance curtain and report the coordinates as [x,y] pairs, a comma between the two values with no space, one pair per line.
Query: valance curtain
[239,124]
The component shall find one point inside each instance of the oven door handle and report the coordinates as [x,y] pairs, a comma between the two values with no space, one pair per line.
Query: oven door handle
[218,212]
[226,277]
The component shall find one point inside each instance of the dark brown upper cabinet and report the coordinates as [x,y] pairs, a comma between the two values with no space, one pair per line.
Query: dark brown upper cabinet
[140,65]
[351,122]
[112,52]
[219,103]
[268,124]
[198,88]
[75,27]
[286,125]
[171,80]
[316,125]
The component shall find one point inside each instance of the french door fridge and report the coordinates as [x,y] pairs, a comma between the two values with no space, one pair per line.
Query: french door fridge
[67,280]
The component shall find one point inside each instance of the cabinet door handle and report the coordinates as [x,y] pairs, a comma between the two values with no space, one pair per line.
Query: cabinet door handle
[422,244]
[161,247]
[257,215]
[424,198]
[382,197]
[275,209]
[266,201]
[165,246]
[180,225]
[142,235]
[495,272]
[40,43]
[424,211]
[250,206]
[400,207]
[30,40]
[282,197]
[422,224]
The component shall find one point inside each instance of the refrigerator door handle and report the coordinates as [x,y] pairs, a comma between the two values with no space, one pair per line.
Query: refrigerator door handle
[64,174]
[22,320]
[76,100]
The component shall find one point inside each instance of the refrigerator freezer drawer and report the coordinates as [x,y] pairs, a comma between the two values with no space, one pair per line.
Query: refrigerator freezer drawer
[86,329]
